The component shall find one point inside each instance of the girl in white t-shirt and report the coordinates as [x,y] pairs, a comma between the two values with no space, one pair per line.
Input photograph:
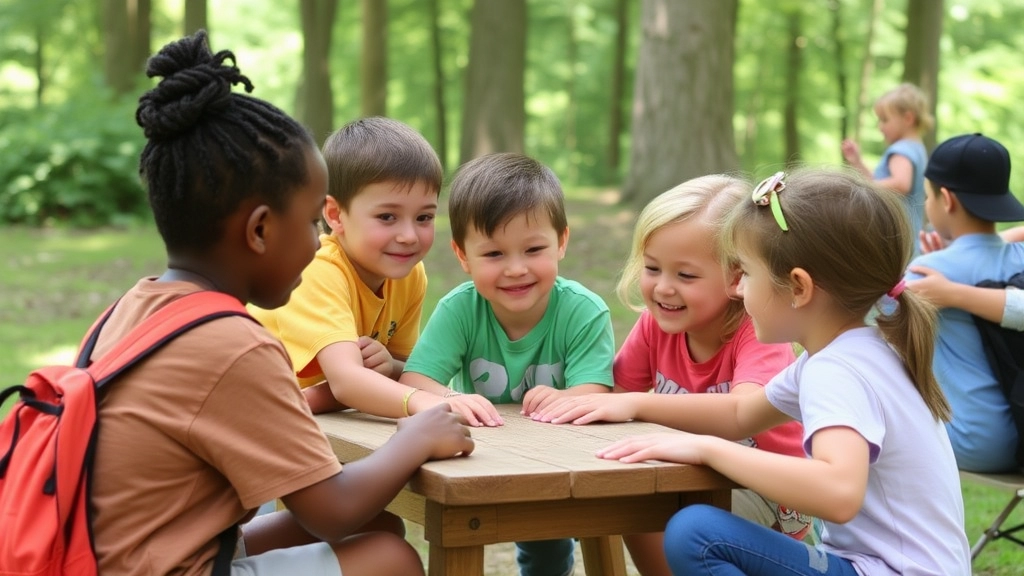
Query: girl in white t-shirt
[818,250]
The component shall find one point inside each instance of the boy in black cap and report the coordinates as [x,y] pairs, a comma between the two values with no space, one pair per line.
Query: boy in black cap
[967,192]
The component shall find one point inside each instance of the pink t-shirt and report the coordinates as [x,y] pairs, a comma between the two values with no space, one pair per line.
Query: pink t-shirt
[652,359]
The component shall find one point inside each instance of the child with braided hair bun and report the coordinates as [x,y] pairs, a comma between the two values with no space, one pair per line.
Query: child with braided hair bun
[818,250]
[212,425]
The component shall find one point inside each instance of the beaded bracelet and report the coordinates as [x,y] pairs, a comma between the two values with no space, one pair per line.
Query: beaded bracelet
[451,393]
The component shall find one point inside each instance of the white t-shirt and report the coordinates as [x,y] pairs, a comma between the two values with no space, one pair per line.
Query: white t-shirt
[912,519]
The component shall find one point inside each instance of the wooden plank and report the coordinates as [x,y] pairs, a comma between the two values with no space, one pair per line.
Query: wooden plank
[603,556]
[467,561]
[456,526]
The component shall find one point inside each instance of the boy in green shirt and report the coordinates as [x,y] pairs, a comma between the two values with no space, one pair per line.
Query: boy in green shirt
[516,333]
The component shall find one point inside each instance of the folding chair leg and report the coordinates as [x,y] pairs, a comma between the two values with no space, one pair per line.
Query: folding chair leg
[994,532]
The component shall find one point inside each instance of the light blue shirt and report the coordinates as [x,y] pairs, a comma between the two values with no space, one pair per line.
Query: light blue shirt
[982,431]
[914,151]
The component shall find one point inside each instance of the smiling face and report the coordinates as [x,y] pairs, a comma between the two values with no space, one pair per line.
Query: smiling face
[387,229]
[515,268]
[682,283]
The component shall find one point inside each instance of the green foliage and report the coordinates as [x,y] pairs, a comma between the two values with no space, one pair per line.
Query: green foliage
[75,163]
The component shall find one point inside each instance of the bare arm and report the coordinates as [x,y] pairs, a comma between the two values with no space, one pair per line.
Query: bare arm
[334,508]
[987,303]
[733,416]
[366,390]
[901,175]
[476,409]
[831,485]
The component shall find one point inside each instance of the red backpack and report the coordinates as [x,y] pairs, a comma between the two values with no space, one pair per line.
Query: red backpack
[50,436]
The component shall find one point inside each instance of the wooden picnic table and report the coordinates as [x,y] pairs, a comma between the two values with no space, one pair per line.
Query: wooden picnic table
[528,480]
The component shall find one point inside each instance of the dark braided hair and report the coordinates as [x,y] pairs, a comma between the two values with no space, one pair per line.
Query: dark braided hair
[209,149]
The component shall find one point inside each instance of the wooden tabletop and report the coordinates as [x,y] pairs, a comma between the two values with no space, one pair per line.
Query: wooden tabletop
[531,481]
[526,461]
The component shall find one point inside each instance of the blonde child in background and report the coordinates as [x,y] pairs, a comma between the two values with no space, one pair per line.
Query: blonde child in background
[693,335]
[816,251]
[903,118]
[356,315]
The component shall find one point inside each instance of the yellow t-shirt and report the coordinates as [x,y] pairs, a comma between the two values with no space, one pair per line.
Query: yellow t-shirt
[333,305]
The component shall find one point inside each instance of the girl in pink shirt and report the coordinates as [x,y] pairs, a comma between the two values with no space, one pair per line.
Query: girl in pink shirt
[693,335]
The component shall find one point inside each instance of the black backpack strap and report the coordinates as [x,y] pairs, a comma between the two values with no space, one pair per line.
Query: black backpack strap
[226,552]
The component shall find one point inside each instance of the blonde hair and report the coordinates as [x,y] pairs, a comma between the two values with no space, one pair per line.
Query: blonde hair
[854,240]
[710,197]
[908,98]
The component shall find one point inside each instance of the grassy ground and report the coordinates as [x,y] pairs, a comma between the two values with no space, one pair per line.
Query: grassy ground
[54,283]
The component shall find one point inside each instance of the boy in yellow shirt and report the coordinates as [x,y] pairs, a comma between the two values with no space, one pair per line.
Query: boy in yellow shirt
[355,317]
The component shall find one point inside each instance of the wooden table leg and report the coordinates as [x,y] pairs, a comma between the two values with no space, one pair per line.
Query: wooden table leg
[461,561]
[603,556]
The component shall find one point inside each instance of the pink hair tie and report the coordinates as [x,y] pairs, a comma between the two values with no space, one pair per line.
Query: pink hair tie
[897,289]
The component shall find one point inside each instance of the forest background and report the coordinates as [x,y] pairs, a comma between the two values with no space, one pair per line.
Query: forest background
[622,98]
[637,95]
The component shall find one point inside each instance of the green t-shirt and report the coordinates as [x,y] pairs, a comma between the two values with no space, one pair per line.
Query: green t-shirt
[463,344]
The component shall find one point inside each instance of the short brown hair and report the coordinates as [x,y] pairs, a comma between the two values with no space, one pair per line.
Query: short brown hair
[377,149]
[490,190]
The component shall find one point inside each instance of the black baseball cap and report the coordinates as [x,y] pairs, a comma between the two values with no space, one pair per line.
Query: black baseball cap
[977,169]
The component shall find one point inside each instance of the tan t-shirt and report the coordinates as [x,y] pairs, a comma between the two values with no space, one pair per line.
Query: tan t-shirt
[209,428]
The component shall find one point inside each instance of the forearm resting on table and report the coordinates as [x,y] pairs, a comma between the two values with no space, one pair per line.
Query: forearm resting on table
[366,390]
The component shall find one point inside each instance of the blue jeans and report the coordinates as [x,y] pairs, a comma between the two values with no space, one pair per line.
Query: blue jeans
[545,557]
[702,539]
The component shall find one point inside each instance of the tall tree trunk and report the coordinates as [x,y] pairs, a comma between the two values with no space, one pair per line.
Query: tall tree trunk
[836,6]
[866,67]
[793,58]
[40,64]
[572,173]
[681,128]
[495,109]
[139,12]
[316,103]
[374,61]
[195,16]
[118,57]
[441,145]
[921,59]
[618,90]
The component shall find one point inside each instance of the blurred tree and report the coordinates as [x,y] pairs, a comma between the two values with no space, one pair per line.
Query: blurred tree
[437,57]
[618,89]
[683,97]
[921,60]
[195,16]
[866,67]
[792,95]
[316,102]
[494,108]
[126,33]
[374,60]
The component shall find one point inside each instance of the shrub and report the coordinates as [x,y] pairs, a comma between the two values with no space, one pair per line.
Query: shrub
[74,163]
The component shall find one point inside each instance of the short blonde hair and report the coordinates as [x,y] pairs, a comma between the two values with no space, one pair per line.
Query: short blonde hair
[710,197]
[908,98]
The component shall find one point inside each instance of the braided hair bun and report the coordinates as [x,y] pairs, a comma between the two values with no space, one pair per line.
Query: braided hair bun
[195,82]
